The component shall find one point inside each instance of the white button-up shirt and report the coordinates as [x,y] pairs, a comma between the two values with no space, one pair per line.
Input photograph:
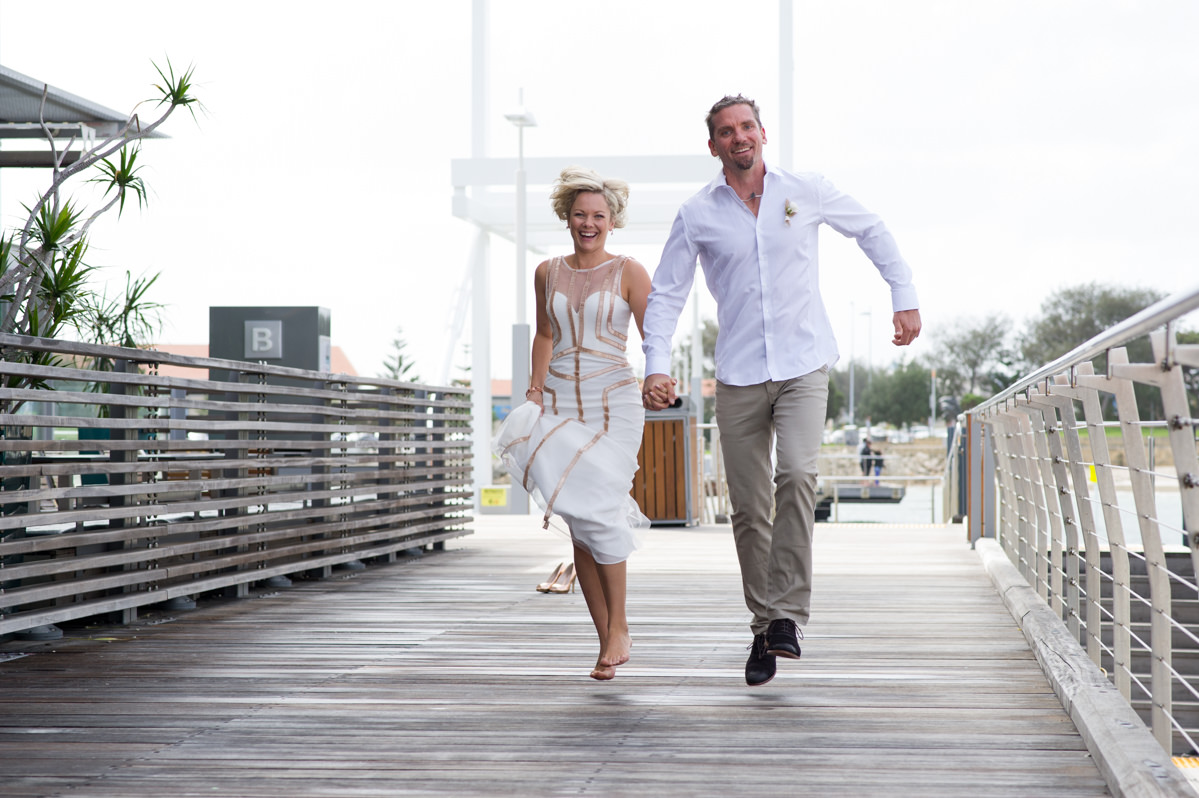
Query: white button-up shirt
[764,273]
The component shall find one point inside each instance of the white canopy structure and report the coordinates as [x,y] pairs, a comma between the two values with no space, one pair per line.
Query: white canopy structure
[484,195]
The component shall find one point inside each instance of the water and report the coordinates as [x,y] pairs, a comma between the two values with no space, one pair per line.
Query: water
[921,504]
[1169,517]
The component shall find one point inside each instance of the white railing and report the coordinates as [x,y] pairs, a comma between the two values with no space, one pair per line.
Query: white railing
[1101,517]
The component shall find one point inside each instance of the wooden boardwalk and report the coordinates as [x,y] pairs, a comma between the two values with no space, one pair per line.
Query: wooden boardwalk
[450,676]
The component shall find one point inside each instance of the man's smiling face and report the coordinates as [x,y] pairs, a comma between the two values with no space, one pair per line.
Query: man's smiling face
[736,138]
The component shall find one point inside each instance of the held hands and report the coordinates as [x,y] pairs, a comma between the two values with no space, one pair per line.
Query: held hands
[657,393]
[907,326]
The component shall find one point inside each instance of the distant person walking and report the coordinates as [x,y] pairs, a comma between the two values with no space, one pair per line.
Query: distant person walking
[754,231]
[864,457]
[574,443]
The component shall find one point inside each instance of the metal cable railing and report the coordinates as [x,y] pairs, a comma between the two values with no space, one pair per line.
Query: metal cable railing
[1101,516]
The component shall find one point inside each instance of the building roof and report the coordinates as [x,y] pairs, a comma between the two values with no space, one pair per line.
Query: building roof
[339,361]
[66,115]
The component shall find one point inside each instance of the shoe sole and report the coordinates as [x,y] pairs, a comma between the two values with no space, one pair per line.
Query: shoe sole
[781,652]
[758,684]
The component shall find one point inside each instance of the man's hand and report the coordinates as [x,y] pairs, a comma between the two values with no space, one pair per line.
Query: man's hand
[658,391]
[907,326]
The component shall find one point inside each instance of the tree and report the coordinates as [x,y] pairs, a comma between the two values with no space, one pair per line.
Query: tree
[899,396]
[1071,316]
[838,391]
[838,402]
[399,366]
[972,354]
[1191,376]
[44,287]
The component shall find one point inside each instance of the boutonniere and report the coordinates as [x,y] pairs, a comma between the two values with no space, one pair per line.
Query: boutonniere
[789,210]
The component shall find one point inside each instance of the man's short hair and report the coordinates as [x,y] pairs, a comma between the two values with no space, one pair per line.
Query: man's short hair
[725,102]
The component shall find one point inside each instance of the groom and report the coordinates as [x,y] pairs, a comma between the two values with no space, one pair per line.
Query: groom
[754,230]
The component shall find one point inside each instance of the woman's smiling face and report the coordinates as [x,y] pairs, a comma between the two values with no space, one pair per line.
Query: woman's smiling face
[590,221]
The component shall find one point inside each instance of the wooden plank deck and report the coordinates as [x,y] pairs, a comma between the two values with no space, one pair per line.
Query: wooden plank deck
[449,675]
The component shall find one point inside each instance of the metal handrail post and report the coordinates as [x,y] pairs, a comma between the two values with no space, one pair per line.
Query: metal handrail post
[1092,584]
[1161,648]
[1114,526]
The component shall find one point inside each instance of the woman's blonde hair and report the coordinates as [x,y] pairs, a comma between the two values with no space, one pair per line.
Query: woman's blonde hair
[575,179]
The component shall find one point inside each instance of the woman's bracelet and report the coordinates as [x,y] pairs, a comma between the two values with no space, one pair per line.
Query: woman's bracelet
[533,389]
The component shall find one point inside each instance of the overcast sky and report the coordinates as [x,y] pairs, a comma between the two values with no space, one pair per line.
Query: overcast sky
[1012,147]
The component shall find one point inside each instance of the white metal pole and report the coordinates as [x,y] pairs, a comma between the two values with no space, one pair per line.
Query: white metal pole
[932,401]
[869,348]
[851,326]
[480,367]
[518,499]
[697,383]
[480,335]
[697,353]
[480,53]
[786,115]
[520,221]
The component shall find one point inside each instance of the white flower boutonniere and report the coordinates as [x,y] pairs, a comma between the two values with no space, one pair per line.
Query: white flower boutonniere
[789,210]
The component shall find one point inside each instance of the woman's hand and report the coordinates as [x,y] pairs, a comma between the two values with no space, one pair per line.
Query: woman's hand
[536,395]
[657,392]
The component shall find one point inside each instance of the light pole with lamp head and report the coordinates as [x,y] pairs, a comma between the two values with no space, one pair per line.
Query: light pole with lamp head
[518,500]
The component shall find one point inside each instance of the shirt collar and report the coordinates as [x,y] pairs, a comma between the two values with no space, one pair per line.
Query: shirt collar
[720,179]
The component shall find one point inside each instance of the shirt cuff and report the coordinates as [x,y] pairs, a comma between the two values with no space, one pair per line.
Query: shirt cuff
[656,364]
[904,298]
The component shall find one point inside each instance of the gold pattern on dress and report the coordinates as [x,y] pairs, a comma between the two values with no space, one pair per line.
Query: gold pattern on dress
[603,320]
[515,441]
[524,481]
[549,504]
[606,355]
[569,333]
[608,390]
[550,282]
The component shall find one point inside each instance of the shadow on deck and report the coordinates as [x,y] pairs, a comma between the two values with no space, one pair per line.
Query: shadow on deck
[450,675]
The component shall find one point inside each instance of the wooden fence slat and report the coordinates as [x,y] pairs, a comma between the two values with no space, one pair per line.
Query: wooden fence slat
[206,484]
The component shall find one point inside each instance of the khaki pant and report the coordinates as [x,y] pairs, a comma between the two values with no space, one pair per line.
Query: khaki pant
[776,558]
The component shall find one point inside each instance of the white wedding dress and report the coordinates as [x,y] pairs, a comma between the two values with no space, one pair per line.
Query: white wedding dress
[577,459]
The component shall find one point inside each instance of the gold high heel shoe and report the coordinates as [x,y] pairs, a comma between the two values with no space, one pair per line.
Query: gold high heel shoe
[545,586]
[565,583]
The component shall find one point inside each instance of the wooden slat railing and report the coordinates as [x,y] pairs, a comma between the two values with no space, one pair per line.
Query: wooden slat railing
[128,488]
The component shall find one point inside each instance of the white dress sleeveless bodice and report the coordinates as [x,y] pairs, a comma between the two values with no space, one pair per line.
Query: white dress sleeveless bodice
[577,459]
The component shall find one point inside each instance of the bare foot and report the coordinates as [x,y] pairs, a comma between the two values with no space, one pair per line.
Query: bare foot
[615,651]
[603,673]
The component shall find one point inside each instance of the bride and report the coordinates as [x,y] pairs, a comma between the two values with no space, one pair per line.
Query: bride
[574,443]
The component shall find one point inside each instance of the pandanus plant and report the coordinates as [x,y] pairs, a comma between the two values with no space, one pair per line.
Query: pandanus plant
[44,280]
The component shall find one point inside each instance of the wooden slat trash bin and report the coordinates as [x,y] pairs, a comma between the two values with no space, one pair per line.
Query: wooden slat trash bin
[666,485]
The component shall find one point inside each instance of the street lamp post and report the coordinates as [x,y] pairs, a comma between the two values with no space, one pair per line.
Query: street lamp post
[851,326]
[518,500]
[869,314]
[869,348]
